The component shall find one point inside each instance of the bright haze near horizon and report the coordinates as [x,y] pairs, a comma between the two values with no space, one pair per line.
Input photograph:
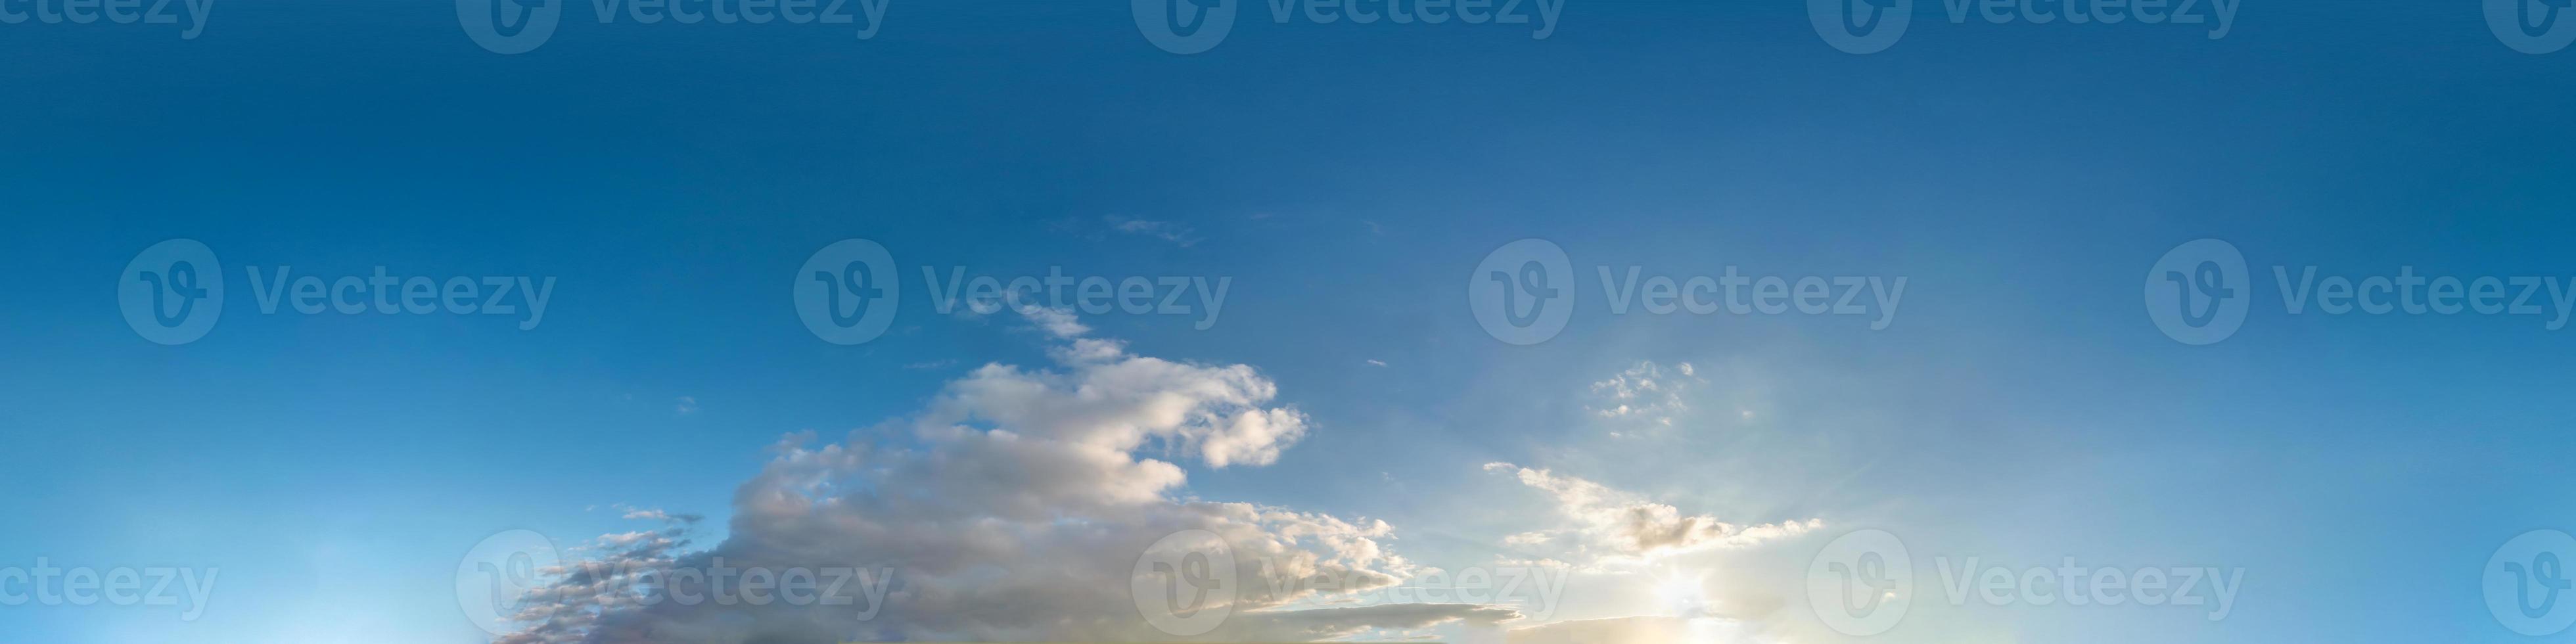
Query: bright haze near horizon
[1548,321]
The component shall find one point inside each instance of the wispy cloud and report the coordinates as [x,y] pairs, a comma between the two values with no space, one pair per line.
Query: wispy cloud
[1178,234]
[1646,392]
[1602,525]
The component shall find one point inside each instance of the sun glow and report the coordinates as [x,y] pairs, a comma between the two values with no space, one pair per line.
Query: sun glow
[1682,595]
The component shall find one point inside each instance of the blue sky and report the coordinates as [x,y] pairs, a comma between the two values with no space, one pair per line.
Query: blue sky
[2020,407]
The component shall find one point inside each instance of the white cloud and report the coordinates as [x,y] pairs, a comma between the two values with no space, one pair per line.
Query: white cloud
[1057,322]
[1638,630]
[1013,507]
[1644,393]
[1601,525]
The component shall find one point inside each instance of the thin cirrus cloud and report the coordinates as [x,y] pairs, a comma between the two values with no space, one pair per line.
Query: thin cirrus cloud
[1177,234]
[1024,493]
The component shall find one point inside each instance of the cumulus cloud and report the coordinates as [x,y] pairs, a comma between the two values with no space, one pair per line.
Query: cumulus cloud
[1646,392]
[1014,506]
[1602,525]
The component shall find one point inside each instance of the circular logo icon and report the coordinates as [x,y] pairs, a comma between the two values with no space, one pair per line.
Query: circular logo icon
[509,26]
[1523,292]
[2531,26]
[1860,26]
[2199,291]
[2526,580]
[1861,583]
[493,580]
[172,292]
[1185,584]
[847,292]
[1184,26]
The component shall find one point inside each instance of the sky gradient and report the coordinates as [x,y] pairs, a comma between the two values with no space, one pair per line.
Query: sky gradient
[1348,185]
